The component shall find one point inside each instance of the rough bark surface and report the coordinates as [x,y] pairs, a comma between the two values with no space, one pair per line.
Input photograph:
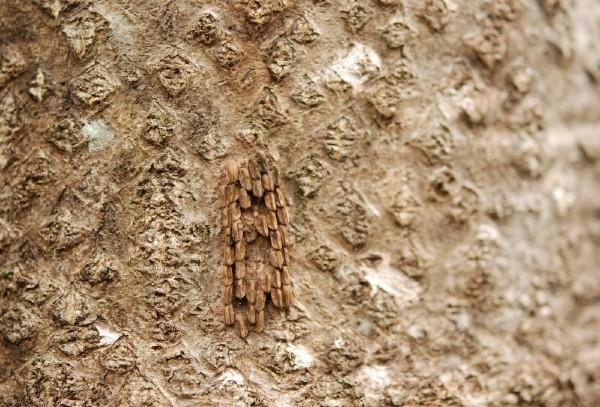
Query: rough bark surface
[442,162]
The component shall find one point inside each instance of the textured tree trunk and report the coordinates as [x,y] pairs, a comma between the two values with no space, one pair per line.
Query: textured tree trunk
[441,162]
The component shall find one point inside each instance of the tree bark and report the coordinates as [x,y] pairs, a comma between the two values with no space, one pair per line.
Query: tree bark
[441,161]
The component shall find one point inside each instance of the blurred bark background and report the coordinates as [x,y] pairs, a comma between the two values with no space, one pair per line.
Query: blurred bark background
[442,159]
